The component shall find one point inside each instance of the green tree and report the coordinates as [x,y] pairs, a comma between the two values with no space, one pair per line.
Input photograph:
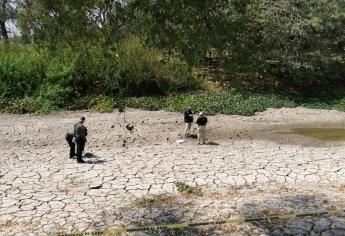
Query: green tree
[306,39]
[7,13]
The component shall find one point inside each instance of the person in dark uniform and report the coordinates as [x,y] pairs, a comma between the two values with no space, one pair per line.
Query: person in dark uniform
[77,137]
[188,120]
[201,121]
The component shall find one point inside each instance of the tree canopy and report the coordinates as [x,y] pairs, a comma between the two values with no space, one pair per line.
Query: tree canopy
[284,45]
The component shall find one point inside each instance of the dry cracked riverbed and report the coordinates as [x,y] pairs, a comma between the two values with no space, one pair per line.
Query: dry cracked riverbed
[252,167]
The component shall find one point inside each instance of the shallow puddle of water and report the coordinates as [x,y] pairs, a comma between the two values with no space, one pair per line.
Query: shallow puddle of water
[321,133]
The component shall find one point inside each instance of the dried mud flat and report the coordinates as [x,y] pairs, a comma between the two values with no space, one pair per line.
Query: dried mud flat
[251,167]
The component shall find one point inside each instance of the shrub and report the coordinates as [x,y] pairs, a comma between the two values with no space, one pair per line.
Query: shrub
[145,71]
[44,106]
[102,104]
[21,106]
[81,103]
[38,106]
[229,103]
[147,103]
[340,105]
[185,188]
[56,95]
[20,73]
[3,104]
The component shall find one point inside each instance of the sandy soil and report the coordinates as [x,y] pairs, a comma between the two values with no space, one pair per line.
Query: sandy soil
[251,166]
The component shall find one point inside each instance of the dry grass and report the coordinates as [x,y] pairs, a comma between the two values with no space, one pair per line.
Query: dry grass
[285,189]
[8,224]
[227,229]
[236,191]
[240,190]
[270,212]
[215,196]
[155,202]
[341,188]
[64,190]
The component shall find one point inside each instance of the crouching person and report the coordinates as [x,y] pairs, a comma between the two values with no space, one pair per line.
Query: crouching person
[201,121]
[70,138]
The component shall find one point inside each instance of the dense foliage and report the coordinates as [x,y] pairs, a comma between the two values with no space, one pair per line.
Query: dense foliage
[94,53]
[286,45]
[43,81]
[233,103]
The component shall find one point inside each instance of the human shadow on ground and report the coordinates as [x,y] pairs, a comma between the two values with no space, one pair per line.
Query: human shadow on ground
[212,144]
[296,204]
[89,155]
[91,158]
[193,136]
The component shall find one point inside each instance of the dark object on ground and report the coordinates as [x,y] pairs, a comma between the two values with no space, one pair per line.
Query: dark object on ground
[130,127]
[213,143]
[97,187]
[89,155]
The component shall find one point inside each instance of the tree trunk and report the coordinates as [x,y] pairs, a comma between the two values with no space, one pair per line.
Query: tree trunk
[28,6]
[4,32]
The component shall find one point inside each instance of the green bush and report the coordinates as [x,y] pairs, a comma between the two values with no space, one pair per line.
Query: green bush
[3,104]
[44,106]
[21,73]
[81,103]
[38,106]
[147,103]
[145,71]
[233,103]
[56,95]
[102,104]
[185,188]
[21,106]
[228,103]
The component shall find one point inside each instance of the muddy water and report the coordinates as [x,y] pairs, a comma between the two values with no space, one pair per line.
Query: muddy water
[321,133]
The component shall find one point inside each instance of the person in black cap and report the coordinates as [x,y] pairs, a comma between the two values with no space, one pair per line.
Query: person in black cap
[77,137]
[188,120]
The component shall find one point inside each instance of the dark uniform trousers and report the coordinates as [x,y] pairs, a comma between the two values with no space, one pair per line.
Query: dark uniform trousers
[80,147]
[69,138]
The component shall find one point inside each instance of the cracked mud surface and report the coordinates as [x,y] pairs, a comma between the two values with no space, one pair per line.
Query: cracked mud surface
[251,168]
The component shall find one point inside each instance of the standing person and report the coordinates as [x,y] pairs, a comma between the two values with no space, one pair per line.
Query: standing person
[80,133]
[201,121]
[188,120]
[77,137]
